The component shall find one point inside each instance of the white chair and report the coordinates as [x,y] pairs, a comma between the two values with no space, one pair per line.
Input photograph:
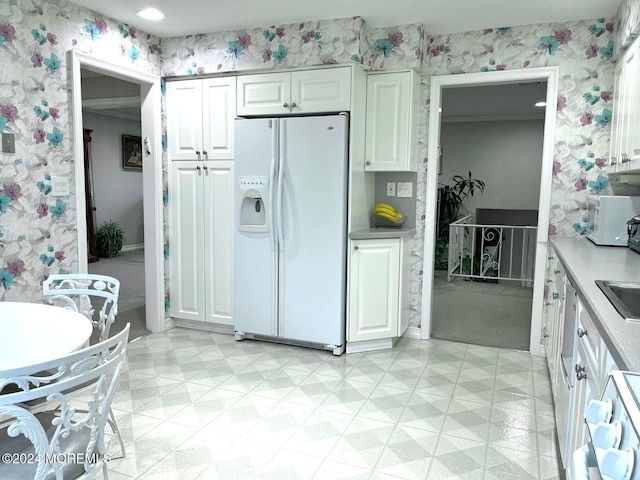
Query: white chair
[86,293]
[95,297]
[69,443]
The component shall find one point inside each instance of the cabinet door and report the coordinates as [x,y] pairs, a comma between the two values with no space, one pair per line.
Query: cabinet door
[615,149]
[264,94]
[184,119]
[632,78]
[218,238]
[373,291]
[391,123]
[219,111]
[314,91]
[187,240]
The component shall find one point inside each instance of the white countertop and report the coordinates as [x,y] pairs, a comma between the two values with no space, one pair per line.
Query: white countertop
[382,232]
[585,263]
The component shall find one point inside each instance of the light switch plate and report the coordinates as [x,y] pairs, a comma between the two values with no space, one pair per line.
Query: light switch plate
[8,143]
[59,186]
[405,189]
[391,189]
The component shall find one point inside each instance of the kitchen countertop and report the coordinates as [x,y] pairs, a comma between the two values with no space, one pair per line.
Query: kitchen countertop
[586,262]
[370,233]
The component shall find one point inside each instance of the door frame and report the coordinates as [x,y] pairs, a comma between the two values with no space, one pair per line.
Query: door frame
[150,96]
[548,74]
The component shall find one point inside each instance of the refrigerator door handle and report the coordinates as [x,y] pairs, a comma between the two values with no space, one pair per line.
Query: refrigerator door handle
[281,159]
[272,180]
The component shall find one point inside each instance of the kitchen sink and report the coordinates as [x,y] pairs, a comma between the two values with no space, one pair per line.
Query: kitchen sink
[624,296]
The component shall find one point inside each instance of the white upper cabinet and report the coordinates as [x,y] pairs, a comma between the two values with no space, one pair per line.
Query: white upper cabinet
[321,90]
[200,116]
[392,121]
[300,92]
[264,94]
[625,129]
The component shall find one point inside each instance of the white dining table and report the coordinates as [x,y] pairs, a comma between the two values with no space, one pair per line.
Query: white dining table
[32,332]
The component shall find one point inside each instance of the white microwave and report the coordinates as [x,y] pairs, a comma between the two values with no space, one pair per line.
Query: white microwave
[607,216]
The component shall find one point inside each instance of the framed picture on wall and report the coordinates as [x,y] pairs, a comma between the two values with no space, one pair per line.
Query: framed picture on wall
[131,153]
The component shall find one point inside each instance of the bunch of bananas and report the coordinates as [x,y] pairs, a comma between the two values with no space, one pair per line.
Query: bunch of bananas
[386,211]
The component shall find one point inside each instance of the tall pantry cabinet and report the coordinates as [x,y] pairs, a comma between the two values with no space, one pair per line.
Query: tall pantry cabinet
[200,115]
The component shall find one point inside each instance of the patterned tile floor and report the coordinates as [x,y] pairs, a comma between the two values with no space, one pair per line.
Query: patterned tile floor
[197,405]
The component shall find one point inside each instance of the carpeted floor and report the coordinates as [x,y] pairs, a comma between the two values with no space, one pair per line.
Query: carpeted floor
[128,267]
[481,313]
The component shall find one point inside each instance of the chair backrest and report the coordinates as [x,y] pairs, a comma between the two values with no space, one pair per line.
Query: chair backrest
[71,443]
[95,296]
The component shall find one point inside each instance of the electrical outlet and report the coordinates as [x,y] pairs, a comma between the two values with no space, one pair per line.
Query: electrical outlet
[391,189]
[59,186]
[405,189]
[8,143]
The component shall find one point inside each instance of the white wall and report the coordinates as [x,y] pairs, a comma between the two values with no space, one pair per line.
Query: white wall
[507,156]
[118,192]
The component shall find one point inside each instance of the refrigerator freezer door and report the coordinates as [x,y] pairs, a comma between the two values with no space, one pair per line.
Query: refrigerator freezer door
[255,262]
[313,262]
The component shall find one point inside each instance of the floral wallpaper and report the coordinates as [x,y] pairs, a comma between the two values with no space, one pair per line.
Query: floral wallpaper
[38,230]
[627,24]
[283,46]
[583,51]
[345,40]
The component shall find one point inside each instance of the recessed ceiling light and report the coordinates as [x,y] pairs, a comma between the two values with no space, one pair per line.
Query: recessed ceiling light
[541,104]
[150,14]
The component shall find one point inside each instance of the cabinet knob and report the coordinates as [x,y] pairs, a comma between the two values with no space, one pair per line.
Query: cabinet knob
[625,158]
[355,247]
[581,332]
[581,375]
[549,280]
[614,161]
[550,257]
[198,170]
[555,295]
[206,155]
[198,154]
[556,271]
[293,105]
[206,170]
[285,105]
[368,162]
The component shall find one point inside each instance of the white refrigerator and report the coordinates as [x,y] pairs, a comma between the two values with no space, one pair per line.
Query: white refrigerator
[290,230]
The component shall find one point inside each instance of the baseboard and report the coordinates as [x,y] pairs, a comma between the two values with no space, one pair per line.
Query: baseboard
[169,323]
[129,248]
[369,345]
[412,332]
[207,327]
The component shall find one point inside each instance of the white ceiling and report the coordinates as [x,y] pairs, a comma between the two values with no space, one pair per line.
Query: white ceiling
[185,17]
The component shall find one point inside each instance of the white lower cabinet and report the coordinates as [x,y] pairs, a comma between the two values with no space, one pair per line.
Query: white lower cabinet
[378,289]
[554,316]
[592,363]
[201,241]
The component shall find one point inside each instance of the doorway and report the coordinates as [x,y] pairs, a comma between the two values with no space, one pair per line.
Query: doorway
[111,111]
[493,135]
[438,83]
[150,98]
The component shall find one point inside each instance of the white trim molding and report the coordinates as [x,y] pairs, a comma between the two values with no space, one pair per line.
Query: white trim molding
[150,101]
[549,75]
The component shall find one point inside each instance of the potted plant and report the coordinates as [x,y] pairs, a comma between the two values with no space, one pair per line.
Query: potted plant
[450,200]
[109,237]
